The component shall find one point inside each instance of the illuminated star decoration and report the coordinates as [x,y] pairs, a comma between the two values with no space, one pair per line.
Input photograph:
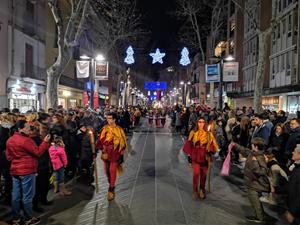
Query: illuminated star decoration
[157,56]
[185,60]
[129,58]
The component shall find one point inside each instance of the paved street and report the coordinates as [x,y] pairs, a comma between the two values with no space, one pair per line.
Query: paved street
[154,190]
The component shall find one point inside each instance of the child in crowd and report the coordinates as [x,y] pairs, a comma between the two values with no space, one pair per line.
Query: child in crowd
[277,177]
[59,162]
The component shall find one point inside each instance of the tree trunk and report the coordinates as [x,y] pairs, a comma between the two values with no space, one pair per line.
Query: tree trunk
[52,88]
[53,76]
[259,78]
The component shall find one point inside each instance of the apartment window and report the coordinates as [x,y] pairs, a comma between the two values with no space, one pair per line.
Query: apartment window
[282,63]
[283,26]
[28,59]
[30,8]
[283,4]
[288,63]
[289,25]
[273,38]
[273,70]
[279,5]
[278,31]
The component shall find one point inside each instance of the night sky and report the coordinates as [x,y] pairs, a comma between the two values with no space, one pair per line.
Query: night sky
[163,28]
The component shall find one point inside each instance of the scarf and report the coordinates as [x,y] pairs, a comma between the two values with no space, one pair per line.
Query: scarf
[116,135]
[202,137]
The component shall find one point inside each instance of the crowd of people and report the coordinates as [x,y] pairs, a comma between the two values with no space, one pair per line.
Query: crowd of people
[265,146]
[39,149]
[37,146]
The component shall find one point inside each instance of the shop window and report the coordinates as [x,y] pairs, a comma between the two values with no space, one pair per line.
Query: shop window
[28,60]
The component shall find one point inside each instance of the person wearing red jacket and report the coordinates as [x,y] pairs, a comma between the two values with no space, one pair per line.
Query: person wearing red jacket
[23,154]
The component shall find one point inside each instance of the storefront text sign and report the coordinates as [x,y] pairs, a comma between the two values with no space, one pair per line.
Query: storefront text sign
[101,70]
[212,73]
[230,71]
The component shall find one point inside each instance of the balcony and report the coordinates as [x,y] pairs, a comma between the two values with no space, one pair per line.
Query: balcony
[34,72]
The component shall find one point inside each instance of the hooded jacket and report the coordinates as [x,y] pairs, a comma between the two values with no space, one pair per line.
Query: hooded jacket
[256,170]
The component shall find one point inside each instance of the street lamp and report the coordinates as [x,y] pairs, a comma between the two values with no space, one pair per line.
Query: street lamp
[132,94]
[92,72]
[226,59]
[185,90]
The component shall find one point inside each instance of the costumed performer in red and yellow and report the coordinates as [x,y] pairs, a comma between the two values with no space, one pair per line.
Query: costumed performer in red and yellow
[112,142]
[200,146]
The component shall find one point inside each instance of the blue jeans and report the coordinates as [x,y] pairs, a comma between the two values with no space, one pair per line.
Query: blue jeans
[23,189]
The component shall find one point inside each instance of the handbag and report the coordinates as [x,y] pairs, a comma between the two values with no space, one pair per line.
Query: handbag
[226,164]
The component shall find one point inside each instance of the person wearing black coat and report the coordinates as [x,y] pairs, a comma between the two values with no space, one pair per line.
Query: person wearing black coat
[71,146]
[5,130]
[43,173]
[294,138]
[86,153]
[278,140]
[293,196]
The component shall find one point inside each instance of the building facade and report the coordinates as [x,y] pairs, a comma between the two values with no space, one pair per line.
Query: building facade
[281,77]
[284,83]
[23,59]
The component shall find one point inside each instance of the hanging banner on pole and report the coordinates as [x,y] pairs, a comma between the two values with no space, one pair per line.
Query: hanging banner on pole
[96,101]
[212,73]
[85,98]
[101,70]
[82,69]
[231,72]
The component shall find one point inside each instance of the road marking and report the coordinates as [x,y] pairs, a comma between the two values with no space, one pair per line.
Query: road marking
[177,188]
[137,173]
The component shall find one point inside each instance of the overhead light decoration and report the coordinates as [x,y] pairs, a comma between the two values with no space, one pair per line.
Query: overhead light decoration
[129,58]
[185,60]
[157,56]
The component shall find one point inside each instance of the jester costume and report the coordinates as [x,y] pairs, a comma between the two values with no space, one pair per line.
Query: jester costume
[112,142]
[202,144]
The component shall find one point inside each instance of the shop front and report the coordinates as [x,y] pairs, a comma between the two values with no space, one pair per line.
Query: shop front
[271,103]
[293,104]
[26,95]
[69,97]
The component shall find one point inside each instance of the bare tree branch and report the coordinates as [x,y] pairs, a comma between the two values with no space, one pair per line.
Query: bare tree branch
[247,12]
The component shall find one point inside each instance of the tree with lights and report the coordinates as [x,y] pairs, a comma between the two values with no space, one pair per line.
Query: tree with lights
[185,60]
